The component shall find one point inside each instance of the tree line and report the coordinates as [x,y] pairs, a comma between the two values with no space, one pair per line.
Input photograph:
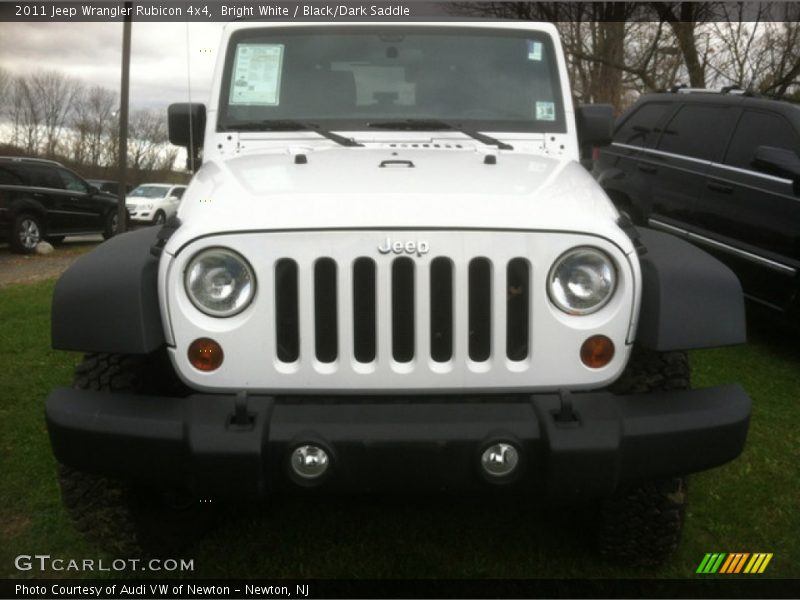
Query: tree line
[616,51]
[50,115]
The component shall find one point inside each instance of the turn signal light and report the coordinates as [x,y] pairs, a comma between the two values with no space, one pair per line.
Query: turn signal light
[597,351]
[205,354]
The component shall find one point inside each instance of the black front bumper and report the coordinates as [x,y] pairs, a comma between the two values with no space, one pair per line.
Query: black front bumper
[387,443]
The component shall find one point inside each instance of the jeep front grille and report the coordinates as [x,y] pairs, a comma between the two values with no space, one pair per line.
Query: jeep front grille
[426,316]
[334,314]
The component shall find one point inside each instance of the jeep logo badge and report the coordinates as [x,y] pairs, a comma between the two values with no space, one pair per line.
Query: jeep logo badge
[419,248]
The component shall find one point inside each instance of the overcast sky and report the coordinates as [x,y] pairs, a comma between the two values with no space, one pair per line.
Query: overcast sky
[92,53]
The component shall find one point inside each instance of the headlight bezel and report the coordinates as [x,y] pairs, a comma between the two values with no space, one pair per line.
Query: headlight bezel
[560,302]
[231,254]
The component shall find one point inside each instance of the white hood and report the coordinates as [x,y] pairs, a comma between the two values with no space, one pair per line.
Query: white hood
[347,188]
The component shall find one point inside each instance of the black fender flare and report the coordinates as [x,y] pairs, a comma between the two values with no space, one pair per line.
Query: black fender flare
[107,301]
[689,298]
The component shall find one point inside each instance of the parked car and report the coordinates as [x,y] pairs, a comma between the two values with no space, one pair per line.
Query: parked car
[108,185]
[721,170]
[380,294]
[42,199]
[154,203]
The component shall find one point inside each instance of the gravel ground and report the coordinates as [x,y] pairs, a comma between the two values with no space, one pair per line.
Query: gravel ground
[27,268]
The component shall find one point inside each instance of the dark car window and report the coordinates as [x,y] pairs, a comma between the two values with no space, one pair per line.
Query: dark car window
[10,176]
[637,129]
[178,192]
[72,182]
[699,131]
[757,128]
[45,177]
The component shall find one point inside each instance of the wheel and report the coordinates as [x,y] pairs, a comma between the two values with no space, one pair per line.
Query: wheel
[112,220]
[26,233]
[121,518]
[642,523]
[160,218]
[651,371]
[641,526]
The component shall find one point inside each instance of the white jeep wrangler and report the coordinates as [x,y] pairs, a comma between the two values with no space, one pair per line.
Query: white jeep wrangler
[392,271]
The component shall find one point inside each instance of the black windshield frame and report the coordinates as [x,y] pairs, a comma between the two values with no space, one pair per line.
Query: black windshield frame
[275,34]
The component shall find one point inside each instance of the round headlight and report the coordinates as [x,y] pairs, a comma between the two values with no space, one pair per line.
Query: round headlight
[582,280]
[219,282]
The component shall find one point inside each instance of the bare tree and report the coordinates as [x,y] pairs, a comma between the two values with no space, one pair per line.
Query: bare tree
[739,56]
[26,115]
[168,156]
[91,122]
[687,19]
[756,50]
[148,137]
[79,123]
[5,88]
[55,94]
[782,45]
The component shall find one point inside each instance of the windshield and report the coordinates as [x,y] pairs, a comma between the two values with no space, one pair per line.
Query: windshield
[355,77]
[149,191]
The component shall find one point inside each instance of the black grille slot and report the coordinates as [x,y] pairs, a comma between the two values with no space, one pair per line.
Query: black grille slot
[286,319]
[441,309]
[364,310]
[480,306]
[325,336]
[403,309]
[517,307]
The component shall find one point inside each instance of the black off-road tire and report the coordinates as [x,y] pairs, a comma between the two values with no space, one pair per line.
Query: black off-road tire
[124,519]
[641,526]
[642,523]
[651,371]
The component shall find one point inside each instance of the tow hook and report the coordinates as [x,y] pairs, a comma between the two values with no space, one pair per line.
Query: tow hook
[566,416]
[241,419]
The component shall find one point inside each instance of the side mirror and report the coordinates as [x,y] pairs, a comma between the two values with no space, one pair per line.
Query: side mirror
[93,190]
[187,126]
[595,123]
[777,161]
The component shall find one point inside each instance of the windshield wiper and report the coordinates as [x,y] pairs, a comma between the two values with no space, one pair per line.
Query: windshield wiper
[436,125]
[289,125]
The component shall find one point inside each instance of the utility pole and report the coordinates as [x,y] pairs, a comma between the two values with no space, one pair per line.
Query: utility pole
[122,176]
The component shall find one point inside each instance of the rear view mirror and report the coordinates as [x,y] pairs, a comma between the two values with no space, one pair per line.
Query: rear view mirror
[777,161]
[187,125]
[595,123]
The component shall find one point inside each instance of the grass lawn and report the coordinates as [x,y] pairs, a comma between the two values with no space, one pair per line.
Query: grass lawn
[750,505]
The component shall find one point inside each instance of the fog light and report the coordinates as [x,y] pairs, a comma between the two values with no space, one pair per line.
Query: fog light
[309,462]
[205,354]
[597,351]
[500,460]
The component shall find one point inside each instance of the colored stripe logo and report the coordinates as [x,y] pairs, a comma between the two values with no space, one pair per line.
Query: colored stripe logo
[734,563]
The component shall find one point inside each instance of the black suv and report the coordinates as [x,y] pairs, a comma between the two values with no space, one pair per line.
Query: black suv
[721,169]
[41,199]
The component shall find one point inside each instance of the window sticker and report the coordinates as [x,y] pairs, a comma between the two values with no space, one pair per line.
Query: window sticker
[257,74]
[534,50]
[545,111]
